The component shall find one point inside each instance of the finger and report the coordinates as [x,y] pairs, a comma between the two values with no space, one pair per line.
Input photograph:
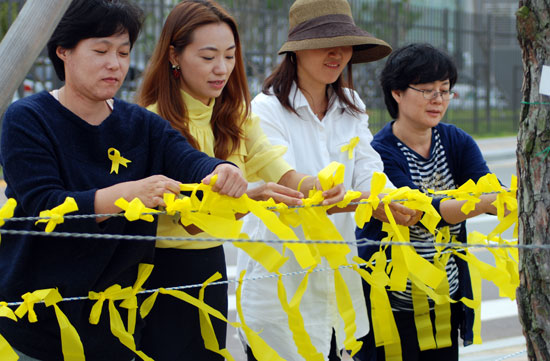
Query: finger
[220,182]
[397,207]
[280,189]
[401,219]
[288,200]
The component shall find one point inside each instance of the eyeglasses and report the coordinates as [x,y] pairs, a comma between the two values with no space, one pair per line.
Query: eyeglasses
[432,94]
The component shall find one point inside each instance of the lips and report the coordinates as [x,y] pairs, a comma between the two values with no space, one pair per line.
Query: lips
[111,80]
[217,83]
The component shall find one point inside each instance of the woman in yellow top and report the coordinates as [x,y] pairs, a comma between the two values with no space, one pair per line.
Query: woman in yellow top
[196,80]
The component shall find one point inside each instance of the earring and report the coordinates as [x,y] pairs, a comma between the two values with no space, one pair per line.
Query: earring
[176,71]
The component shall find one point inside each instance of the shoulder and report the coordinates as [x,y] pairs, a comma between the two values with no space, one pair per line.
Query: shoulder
[135,112]
[34,101]
[355,98]
[385,143]
[263,100]
[451,134]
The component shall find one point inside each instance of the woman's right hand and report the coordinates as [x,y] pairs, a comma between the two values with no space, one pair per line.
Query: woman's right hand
[279,193]
[403,216]
[149,190]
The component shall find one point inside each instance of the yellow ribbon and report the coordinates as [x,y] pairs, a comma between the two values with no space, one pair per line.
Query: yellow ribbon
[135,210]
[363,213]
[7,210]
[295,320]
[70,341]
[112,294]
[261,350]
[207,330]
[6,351]
[56,214]
[349,147]
[117,160]
[130,303]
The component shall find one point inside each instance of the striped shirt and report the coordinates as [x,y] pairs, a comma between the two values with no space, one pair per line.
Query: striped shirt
[431,173]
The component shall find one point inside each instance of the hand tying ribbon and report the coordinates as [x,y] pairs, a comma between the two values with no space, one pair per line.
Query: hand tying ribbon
[350,146]
[117,160]
[56,214]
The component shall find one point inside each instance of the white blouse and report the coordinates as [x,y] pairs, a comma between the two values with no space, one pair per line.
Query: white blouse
[312,144]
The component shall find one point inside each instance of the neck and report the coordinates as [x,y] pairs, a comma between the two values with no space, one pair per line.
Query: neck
[317,98]
[418,139]
[92,111]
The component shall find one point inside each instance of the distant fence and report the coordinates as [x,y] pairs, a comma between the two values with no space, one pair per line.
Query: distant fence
[484,47]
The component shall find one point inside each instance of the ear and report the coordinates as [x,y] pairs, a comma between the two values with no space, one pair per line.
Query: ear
[61,53]
[397,94]
[173,56]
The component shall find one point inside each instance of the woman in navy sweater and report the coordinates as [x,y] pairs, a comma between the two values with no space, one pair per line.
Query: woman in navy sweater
[66,144]
[422,153]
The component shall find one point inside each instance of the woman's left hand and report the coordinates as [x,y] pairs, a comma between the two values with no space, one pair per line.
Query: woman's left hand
[230,180]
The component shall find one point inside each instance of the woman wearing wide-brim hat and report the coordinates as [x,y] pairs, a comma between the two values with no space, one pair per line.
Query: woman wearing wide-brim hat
[308,106]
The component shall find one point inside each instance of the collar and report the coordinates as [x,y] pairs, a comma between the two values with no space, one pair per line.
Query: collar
[198,112]
[298,99]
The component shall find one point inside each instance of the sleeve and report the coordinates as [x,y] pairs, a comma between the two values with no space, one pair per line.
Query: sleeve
[181,161]
[264,160]
[30,164]
[271,114]
[367,159]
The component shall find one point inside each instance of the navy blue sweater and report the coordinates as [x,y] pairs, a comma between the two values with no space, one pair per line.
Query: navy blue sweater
[465,162]
[48,153]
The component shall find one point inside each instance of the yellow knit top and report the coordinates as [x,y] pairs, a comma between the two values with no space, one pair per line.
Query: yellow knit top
[256,157]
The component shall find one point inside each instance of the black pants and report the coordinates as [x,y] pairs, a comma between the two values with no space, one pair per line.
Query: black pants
[333,355]
[172,330]
[410,349]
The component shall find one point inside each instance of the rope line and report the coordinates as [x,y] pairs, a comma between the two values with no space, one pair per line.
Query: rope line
[511,355]
[363,242]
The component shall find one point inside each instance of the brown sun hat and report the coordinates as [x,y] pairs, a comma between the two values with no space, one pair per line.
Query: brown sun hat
[318,24]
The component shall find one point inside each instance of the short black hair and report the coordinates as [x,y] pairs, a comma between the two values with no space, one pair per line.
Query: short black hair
[85,19]
[414,64]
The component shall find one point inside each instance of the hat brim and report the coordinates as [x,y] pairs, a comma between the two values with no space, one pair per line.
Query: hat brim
[365,48]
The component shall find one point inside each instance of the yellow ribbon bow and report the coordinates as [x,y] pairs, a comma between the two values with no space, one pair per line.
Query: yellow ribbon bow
[56,214]
[112,294]
[350,146]
[131,303]
[7,210]
[117,159]
[135,210]
[71,344]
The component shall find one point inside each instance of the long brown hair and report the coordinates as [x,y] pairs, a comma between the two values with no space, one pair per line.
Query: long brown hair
[159,85]
[280,83]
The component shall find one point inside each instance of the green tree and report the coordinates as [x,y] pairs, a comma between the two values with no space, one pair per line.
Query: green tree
[8,12]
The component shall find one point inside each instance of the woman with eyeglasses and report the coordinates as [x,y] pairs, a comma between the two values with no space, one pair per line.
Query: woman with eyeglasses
[421,152]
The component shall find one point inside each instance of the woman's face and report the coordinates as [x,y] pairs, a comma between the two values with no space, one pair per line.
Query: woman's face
[419,112]
[320,67]
[96,67]
[207,62]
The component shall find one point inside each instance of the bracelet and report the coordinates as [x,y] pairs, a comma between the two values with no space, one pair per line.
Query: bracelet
[301,181]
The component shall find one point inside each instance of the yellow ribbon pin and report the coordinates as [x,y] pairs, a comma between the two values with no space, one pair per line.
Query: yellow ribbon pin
[117,159]
[350,146]
[56,214]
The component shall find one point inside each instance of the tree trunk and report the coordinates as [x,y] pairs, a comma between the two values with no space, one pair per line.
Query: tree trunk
[24,41]
[533,19]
